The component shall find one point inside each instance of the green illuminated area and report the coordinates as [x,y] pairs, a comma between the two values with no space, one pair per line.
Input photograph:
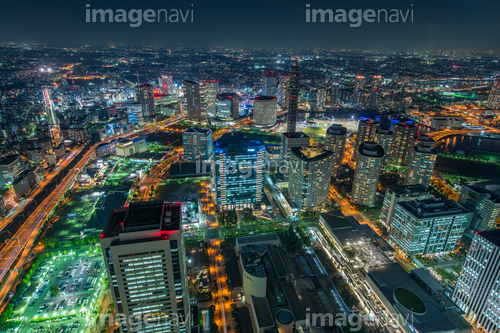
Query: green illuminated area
[409,300]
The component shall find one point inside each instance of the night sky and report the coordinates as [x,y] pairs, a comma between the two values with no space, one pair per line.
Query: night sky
[438,24]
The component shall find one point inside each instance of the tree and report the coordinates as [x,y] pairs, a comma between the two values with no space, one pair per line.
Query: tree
[54,290]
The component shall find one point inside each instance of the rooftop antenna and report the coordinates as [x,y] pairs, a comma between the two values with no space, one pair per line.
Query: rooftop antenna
[137,77]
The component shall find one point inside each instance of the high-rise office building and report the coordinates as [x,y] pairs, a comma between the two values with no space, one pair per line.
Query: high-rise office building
[395,194]
[367,173]
[294,90]
[421,162]
[265,110]
[335,94]
[494,97]
[484,203]
[336,136]
[145,95]
[197,144]
[227,106]
[375,98]
[269,83]
[309,177]
[134,113]
[143,251]
[239,170]
[283,94]
[166,84]
[404,140]
[210,90]
[430,226]
[385,138]
[367,132]
[192,95]
[358,98]
[10,168]
[477,291]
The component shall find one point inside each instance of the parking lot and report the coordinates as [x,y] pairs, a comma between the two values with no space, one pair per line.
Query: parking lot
[63,294]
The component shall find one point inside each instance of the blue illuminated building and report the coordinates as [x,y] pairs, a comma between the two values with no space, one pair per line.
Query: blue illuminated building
[239,167]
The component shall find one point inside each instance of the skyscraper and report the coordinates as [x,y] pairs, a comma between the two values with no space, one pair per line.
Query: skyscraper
[166,84]
[269,83]
[367,132]
[227,106]
[430,226]
[494,97]
[145,95]
[484,203]
[265,111]
[294,90]
[10,168]
[358,98]
[309,173]
[192,94]
[210,91]
[367,173]
[283,94]
[385,138]
[421,162]
[239,166]
[335,94]
[404,140]
[143,251]
[197,144]
[477,291]
[336,136]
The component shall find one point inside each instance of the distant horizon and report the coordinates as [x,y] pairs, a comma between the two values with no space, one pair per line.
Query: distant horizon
[121,45]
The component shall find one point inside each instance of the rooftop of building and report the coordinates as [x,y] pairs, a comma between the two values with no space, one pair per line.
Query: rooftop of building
[408,190]
[229,95]
[410,299]
[142,216]
[433,207]
[311,154]
[257,239]
[384,131]
[491,235]
[253,264]
[265,98]
[295,135]
[336,129]
[8,159]
[233,139]
[371,149]
[492,196]
[21,176]
[202,130]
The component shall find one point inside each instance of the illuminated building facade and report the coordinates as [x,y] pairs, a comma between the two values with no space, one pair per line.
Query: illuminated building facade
[367,173]
[144,94]
[198,144]
[265,111]
[421,162]
[477,291]
[336,136]
[227,106]
[404,140]
[429,226]
[143,251]
[239,167]
[310,171]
